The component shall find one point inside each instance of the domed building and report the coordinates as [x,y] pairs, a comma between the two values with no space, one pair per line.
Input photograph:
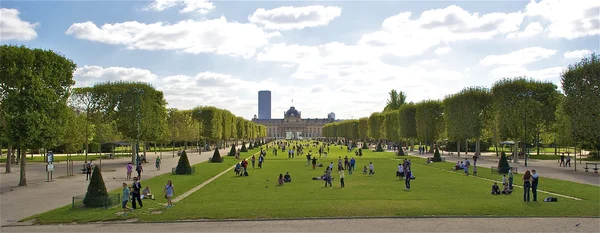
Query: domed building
[292,126]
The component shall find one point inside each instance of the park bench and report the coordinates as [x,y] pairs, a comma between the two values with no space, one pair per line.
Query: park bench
[589,166]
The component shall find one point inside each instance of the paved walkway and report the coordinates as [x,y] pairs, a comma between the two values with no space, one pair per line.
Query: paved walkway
[339,225]
[40,196]
[546,168]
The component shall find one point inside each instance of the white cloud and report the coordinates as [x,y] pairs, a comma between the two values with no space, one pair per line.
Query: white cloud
[209,36]
[577,54]
[519,57]
[89,75]
[13,28]
[568,19]
[288,17]
[442,50]
[531,30]
[403,36]
[518,71]
[199,6]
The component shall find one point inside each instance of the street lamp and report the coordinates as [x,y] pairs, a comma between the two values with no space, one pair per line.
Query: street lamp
[527,95]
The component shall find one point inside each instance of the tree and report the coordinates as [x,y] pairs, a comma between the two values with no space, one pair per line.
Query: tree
[183,165]
[244,149]
[407,122]
[211,118]
[363,128]
[391,125]
[34,88]
[429,119]
[503,166]
[581,84]
[96,195]
[375,126]
[436,155]
[396,100]
[232,151]
[216,158]
[83,99]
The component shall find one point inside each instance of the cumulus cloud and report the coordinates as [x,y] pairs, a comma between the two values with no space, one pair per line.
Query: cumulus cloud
[198,6]
[531,30]
[289,17]
[518,71]
[568,19]
[442,50]
[13,28]
[519,57]
[577,54]
[209,36]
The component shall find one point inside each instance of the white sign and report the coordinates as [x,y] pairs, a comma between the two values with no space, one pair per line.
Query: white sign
[50,167]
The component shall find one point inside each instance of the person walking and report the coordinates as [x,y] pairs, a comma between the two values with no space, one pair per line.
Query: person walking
[314,162]
[88,170]
[568,163]
[526,185]
[125,199]
[353,163]
[510,179]
[169,192]
[407,175]
[158,163]
[341,178]
[534,184]
[562,160]
[371,169]
[139,169]
[136,193]
[253,159]
[129,170]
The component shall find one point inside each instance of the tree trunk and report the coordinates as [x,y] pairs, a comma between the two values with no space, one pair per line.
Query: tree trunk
[1,149]
[412,144]
[458,147]
[133,153]
[516,152]
[87,148]
[18,156]
[23,180]
[478,147]
[145,149]
[466,147]
[496,146]
[8,159]
[538,143]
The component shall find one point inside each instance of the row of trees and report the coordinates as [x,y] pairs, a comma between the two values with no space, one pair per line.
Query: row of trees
[40,109]
[513,109]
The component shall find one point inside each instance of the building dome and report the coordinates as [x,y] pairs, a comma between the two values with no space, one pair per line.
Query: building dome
[292,112]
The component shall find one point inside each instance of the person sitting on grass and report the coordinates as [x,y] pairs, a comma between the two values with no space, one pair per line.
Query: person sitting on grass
[146,194]
[506,189]
[457,166]
[495,189]
[280,180]
[287,178]
[365,170]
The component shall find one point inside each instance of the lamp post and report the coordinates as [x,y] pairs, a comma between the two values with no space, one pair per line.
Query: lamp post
[525,95]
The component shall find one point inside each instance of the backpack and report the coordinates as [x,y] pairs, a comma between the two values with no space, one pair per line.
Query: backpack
[245,173]
[550,199]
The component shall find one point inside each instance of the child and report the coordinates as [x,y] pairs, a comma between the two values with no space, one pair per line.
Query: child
[280,180]
[341,171]
[125,199]
[504,180]
[371,169]
[365,170]
[466,168]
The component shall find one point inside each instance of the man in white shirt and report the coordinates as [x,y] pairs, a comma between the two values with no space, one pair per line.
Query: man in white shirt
[371,169]
[400,171]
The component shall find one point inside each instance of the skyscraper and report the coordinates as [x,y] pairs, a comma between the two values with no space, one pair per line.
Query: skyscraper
[264,105]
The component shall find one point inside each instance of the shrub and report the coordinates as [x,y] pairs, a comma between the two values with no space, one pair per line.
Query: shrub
[96,195]
[183,166]
[365,146]
[379,148]
[400,151]
[244,149]
[503,166]
[250,147]
[436,155]
[216,158]
[232,151]
[593,155]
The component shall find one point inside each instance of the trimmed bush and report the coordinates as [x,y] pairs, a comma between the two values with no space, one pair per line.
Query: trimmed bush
[365,146]
[250,147]
[183,166]
[232,151]
[400,151]
[244,149]
[503,166]
[436,156]
[216,158]
[96,195]
[379,148]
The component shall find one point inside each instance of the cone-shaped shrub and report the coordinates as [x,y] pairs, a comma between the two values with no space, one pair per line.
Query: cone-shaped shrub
[400,151]
[96,195]
[216,158]
[503,166]
[244,149]
[232,151]
[364,146]
[379,148]
[250,147]
[436,156]
[183,166]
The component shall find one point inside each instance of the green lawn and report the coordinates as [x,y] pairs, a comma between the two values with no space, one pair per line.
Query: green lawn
[436,191]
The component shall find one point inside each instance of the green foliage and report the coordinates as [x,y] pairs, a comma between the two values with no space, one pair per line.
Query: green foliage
[581,84]
[376,121]
[397,99]
[436,156]
[379,148]
[465,113]
[503,166]
[183,165]
[211,119]
[232,151]
[407,121]
[363,128]
[96,195]
[244,149]
[391,125]
[429,119]
[216,158]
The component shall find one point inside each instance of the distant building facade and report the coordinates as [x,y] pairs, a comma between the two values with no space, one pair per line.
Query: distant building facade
[264,105]
[292,126]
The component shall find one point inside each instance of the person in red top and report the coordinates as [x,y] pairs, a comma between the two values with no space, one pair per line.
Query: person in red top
[244,165]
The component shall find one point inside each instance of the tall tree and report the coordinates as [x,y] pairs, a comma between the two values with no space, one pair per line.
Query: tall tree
[581,84]
[363,128]
[407,122]
[430,122]
[396,100]
[82,99]
[35,85]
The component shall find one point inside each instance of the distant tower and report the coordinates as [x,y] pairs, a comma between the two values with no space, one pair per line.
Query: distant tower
[331,116]
[264,105]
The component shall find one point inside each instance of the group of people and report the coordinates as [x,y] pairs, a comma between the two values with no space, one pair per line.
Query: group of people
[405,172]
[564,163]
[135,194]
[284,179]
[530,185]
[465,166]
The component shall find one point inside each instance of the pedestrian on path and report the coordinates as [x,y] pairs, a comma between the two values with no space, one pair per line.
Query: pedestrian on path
[169,192]
[136,193]
[157,163]
[129,170]
[125,199]
[88,170]
[568,163]
[562,160]
[526,185]
[534,184]
[139,169]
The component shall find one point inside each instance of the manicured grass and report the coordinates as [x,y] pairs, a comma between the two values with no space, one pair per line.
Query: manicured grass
[182,183]
[436,191]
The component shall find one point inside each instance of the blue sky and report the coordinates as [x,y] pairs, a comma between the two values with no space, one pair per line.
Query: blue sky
[326,55]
